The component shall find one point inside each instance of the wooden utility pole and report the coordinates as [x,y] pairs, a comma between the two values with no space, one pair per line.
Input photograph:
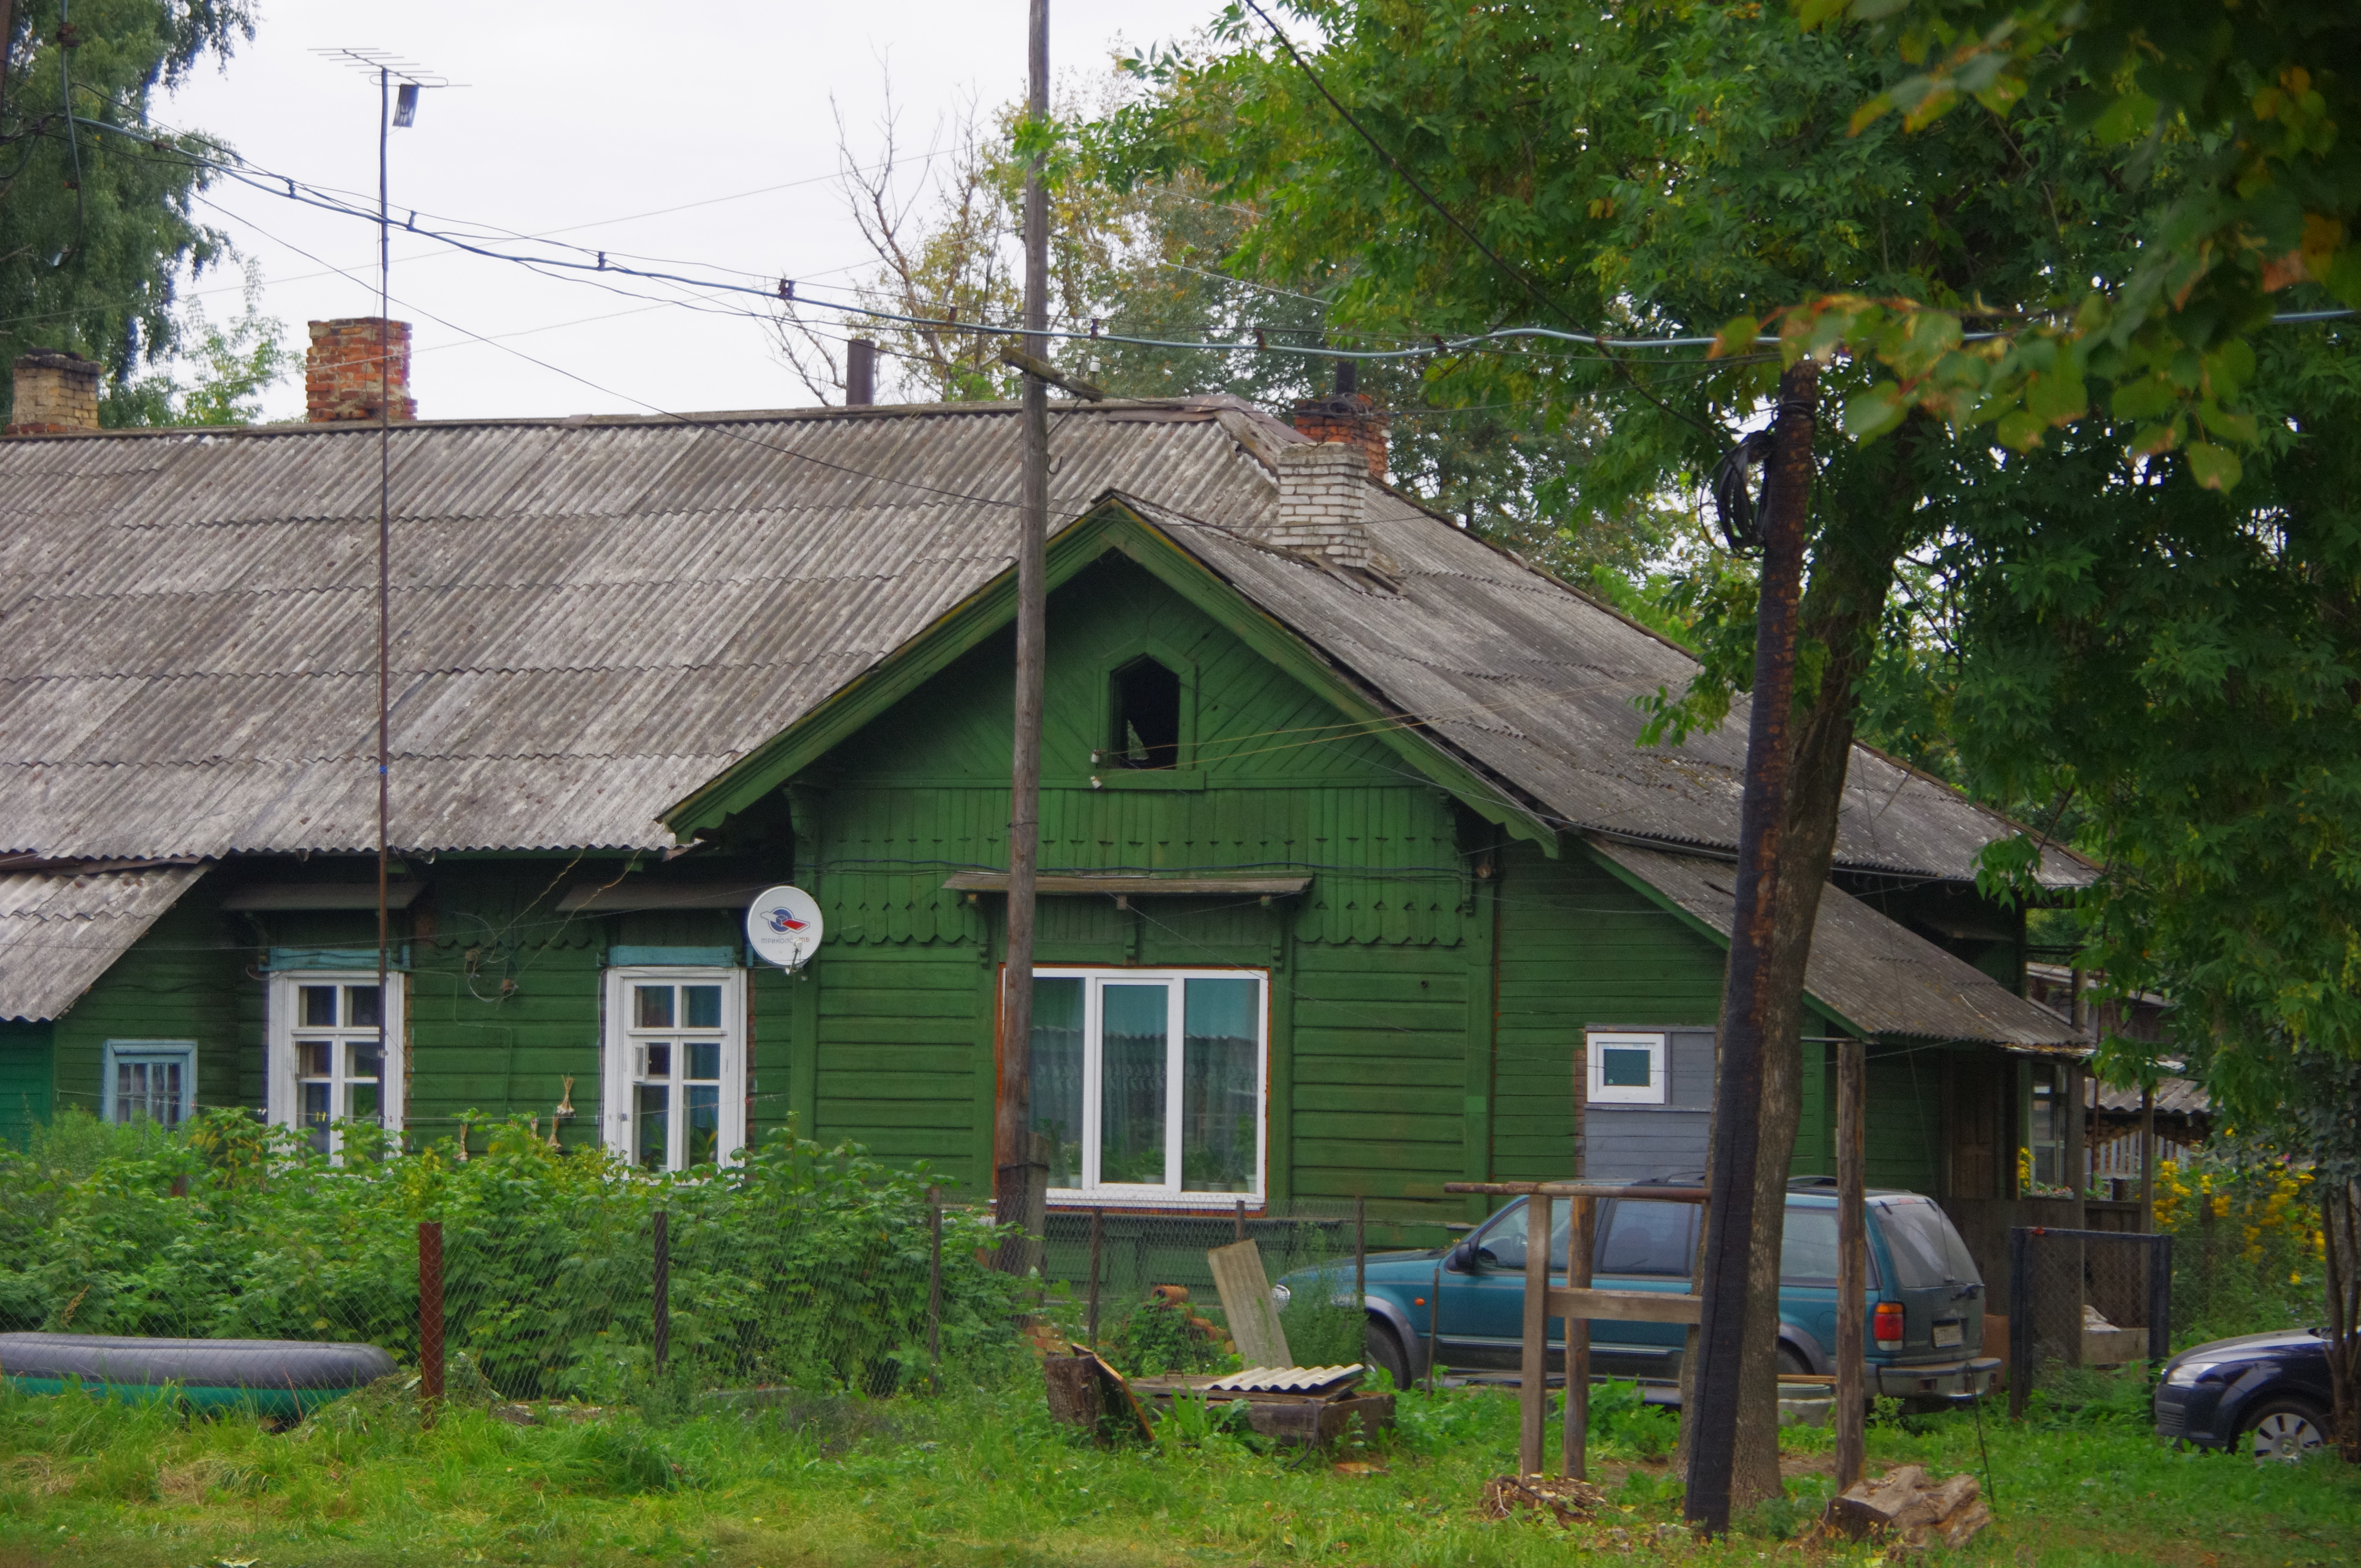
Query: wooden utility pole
[1746,997]
[1853,1255]
[1022,1184]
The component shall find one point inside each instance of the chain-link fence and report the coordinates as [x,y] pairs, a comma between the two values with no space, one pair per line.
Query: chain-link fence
[2085,1299]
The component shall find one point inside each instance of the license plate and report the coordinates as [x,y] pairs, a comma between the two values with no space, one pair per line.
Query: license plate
[1946,1335]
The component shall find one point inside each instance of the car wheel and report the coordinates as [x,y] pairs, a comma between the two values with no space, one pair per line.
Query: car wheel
[1792,1362]
[2288,1430]
[1385,1349]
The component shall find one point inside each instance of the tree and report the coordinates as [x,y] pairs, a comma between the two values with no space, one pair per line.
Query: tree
[1151,260]
[2257,101]
[1658,169]
[231,366]
[96,202]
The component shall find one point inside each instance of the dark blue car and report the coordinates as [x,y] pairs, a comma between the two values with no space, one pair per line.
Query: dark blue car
[2268,1392]
[1922,1314]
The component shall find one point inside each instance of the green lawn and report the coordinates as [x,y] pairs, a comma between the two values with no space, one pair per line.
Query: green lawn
[983,1478]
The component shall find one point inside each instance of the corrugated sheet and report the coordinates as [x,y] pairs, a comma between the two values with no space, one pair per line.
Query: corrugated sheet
[2174,1097]
[593,618]
[1876,975]
[58,934]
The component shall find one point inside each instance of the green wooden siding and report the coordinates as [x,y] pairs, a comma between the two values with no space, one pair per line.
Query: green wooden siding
[180,982]
[1578,947]
[26,1075]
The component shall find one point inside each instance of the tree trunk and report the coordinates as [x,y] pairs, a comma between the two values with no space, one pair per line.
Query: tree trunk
[1852,573]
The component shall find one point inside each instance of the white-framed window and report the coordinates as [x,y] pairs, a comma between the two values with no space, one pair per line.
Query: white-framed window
[149,1080]
[674,1083]
[1150,1083]
[1626,1069]
[328,1056]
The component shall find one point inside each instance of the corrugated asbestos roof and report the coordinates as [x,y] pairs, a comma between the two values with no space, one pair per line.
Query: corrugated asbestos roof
[593,618]
[58,933]
[1876,975]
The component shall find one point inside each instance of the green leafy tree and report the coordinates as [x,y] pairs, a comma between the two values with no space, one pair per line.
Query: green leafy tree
[96,202]
[2253,104]
[230,369]
[1657,169]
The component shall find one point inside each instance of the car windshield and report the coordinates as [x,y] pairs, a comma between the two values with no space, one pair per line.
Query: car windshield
[1927,1250]
[1502,1243]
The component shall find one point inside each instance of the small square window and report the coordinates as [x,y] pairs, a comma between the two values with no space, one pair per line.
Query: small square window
[652,1007]
[149,1080]
[319,1006]
[1627,1069]
[700,1006]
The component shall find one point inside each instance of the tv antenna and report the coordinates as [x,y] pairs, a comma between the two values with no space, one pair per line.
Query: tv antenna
[398,84]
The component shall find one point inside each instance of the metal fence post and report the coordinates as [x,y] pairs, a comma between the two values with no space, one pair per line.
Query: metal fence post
[1360,1253]
[430,1313]
[2159,1301]
[934,1278]
[661,1340]
[1098,1237]
[2020,1319]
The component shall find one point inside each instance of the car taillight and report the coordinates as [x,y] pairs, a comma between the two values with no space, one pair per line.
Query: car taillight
[1887,1325]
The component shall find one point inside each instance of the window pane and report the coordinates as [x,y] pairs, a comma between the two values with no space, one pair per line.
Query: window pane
[361,1006]
[1927,1250]
[311,1115]
[1808,1247]
[1057,1084]
[655,1060]
[704,1059]
[701,1006]
[1219,1086]
[312,1058]
[1645,1237]
[652,1007]
[1131,1099]
[318,1010]
[364,1093]
[654,1101]
[1624,1067]
[704,1112]
[130,1089]
[164,1092]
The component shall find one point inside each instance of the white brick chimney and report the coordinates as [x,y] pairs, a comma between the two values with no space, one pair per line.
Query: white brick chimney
[1324,497]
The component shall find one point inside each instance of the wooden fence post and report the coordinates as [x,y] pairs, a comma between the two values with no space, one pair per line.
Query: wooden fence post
[429,1314]
[1532,1380]
[661,1340]
[1852,1259]
[1360,1254]
[1580,1246]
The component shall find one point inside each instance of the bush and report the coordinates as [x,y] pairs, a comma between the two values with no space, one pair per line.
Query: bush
[801,1265]
[2248,1253]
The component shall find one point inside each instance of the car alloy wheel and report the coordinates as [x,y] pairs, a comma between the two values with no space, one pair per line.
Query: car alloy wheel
[2288,1432]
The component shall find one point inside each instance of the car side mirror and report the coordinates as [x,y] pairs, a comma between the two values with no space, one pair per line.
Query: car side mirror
[1463,1258]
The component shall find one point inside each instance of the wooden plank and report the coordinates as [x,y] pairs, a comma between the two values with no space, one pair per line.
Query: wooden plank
[1134,886]
[1625,1306]
[1532,1363]
[1245,1290]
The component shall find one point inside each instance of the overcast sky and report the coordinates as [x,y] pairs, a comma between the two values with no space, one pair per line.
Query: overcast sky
[581,118]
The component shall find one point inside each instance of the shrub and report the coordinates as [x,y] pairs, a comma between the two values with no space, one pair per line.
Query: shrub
[801,1265]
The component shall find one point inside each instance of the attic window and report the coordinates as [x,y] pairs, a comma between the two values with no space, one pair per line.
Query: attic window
[1146,704]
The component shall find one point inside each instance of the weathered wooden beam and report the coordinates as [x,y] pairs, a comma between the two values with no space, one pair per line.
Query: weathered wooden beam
[1579,1247]
[1578,1190]
[1625,1306]
[1852,1258]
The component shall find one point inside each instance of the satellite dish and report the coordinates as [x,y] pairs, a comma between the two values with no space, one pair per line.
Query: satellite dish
[782,927]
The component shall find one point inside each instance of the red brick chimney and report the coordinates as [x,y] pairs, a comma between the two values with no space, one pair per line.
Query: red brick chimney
[1346,416]
[341,371]
[56,394]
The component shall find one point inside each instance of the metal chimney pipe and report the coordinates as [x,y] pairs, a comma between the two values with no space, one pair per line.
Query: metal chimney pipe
[860,373]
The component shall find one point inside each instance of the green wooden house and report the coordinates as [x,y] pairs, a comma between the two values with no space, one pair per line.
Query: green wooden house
[1355,880]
